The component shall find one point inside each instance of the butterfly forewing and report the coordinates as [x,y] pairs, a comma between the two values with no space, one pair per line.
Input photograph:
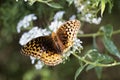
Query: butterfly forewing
[68,32]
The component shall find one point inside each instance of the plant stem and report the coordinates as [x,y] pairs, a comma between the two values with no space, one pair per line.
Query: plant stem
[97,34]
[96,64]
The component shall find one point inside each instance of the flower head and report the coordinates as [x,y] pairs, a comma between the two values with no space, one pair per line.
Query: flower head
[59,15]
[33,33]
[88,11]
[25,22]
[55,25]
[76,47]
[73,17]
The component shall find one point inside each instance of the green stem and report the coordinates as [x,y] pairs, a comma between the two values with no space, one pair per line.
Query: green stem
[97,34]
[96,64]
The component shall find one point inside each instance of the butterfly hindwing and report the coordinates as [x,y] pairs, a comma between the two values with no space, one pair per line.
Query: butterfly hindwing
[43,48]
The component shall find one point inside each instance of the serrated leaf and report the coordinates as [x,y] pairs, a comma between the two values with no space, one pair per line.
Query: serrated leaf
[102,6]
[98,71]
[79,70]
[54,5]
[110,46]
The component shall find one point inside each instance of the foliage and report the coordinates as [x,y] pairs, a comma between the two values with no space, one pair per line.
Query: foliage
[11,12]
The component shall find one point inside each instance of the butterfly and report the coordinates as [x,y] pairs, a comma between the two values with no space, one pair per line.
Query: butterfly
[50,49]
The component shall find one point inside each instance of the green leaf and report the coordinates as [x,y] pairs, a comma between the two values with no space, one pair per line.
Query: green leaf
[89,67]
[110,2]
[97,57]
[94,42]
[108,43]
[102,6]
[70,1]
[31,2]
[54,5]
[110,46]
[108,29]
[98,72]
[79,70]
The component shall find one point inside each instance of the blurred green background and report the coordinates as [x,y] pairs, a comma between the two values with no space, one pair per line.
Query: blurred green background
[14,66]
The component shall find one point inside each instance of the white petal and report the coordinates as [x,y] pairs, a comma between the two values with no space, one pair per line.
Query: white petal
[55,25]
[32,59]
[59,15]
[33,33]
[25,22]
[39,65]
[72,17]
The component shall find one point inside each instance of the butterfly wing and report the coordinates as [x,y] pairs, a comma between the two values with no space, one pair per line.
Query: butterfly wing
[48,48]
[68,32]
[43,48]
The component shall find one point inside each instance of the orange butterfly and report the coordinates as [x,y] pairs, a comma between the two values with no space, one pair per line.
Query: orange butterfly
[49,49]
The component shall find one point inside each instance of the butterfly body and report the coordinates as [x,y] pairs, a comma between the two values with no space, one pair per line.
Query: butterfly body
[49,49]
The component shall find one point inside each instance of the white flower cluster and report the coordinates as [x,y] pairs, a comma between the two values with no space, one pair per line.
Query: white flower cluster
[89,18]
[72,17]
[87,14]
[55,24]
[36,32]
[25,22]
[76,47]
[38,65]
[59,15]
[33,33]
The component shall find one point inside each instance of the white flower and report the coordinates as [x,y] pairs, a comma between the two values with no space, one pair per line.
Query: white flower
[32,59]
[25,22]
[55,25]
[72,17]
[96,20]
[76,47]
[89,18]
[88,2]
[88,12]
[33,33]
[59,15]
[39,65]
[25,0]
[88,15]
[80,9]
